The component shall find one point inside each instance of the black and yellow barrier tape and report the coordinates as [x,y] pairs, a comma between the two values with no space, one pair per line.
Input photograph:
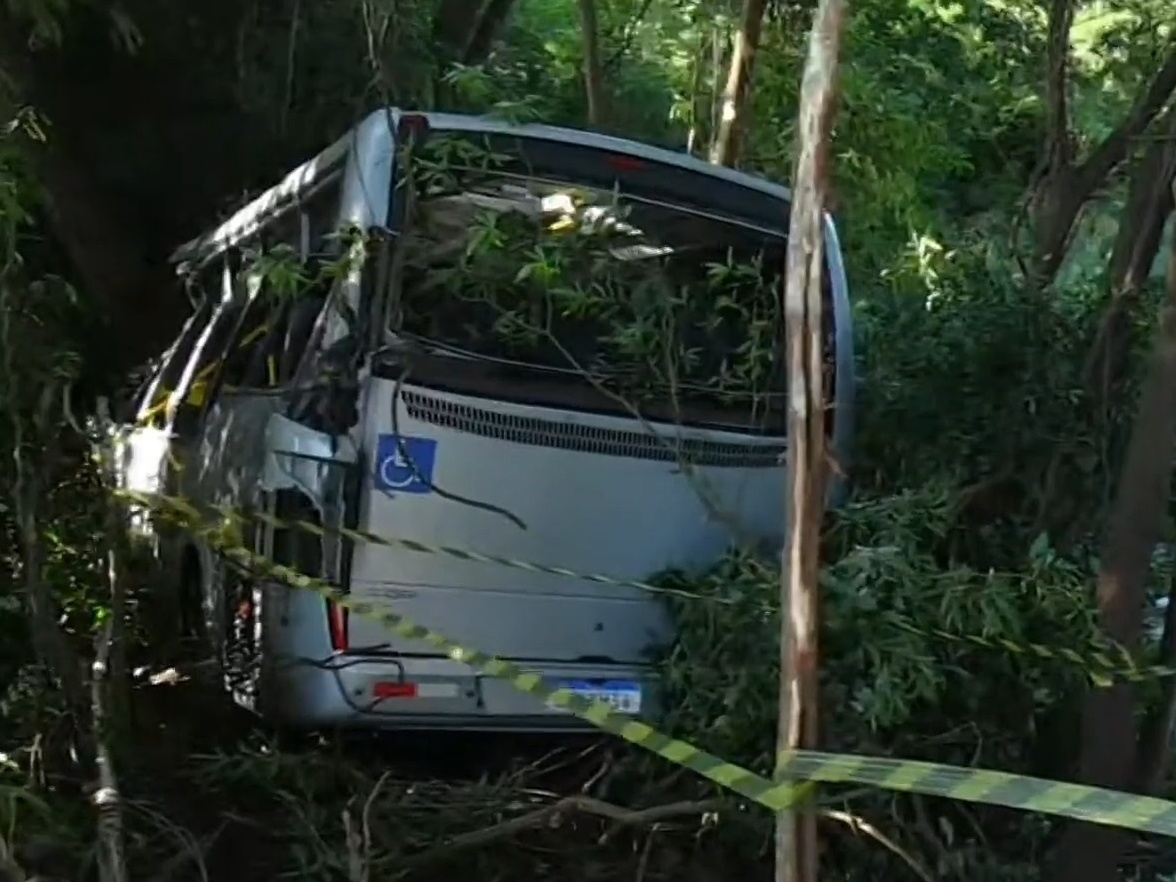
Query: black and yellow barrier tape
[1100,663]
[801,767]
[194,513]
[198,386]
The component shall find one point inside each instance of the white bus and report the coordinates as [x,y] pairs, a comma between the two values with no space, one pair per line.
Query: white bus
[453,387]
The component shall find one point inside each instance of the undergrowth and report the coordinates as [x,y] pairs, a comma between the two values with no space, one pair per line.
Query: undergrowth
[941,533]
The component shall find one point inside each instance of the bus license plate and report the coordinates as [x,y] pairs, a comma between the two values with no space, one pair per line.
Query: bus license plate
[623,696]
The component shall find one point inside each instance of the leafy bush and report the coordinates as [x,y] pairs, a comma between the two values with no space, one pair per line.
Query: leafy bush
[943,533]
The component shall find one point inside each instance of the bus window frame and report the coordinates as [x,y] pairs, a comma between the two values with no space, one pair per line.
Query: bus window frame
[229,312]
[243,339]
[300,214]
[152,403]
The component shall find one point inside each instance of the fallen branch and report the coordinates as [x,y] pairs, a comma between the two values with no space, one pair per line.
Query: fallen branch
[359,841]
[188,849]
[551,815]
[860,825]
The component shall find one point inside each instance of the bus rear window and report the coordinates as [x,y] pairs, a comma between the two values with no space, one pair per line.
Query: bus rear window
[657,303]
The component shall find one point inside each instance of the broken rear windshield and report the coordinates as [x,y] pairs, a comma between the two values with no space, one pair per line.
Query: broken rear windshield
[654,300]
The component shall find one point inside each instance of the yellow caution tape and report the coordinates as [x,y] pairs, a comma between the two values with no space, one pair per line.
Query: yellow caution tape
[1103,664]
[1098,663]
[200,382]
[194,514]
[1079,802]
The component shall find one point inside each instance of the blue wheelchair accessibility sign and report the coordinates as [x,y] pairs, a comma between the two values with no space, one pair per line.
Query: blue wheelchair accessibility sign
[406,466]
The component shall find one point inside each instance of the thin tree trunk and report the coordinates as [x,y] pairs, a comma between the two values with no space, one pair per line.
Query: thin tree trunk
[1091,853]
[720,46]
[112,865]
[593,71]
[118,556]
[732,117]
[30,483]
[796,833]
[698,106]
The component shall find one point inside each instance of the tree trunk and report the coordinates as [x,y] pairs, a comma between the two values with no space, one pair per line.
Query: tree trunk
[140,297]
[732,118]
[593,71]
[1137,242]
[1149,202]
[796,833]
[1090,853]
[466,28]
[108,241]
[1063,186]
[108,252]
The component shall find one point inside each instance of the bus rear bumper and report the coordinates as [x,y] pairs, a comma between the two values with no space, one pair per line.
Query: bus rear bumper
[389,692]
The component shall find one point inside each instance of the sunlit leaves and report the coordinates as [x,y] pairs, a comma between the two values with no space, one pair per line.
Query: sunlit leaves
[470,81]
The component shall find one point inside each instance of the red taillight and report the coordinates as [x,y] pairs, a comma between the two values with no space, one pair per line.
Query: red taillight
[412,126]
[337,625]
[620,162]
[394,690]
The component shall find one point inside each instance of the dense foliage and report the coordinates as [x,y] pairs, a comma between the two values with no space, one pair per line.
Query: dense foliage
[983,464]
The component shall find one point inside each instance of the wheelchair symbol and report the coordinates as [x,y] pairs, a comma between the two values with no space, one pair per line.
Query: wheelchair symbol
[396,471]
[405,464]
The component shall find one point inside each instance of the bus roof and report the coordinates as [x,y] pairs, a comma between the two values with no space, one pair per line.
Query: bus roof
[376,128]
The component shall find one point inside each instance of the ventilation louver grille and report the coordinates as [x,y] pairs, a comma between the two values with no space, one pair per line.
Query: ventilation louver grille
[589,439]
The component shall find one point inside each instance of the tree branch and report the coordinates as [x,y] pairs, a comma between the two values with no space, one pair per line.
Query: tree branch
[550,815]
[859,825]
[627,36]
[1137,242]
[1114,148]
[1061,189]
[480,38]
